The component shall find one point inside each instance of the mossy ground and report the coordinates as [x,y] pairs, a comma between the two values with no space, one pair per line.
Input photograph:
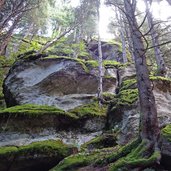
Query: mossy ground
[74,162]
[119,158]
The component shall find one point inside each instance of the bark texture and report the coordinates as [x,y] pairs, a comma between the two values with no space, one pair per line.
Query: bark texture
[149,123]
[100,88]
[155,42]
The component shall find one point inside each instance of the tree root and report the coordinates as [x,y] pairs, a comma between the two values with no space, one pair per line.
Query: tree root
[142,156]
[123,151]
[137,154]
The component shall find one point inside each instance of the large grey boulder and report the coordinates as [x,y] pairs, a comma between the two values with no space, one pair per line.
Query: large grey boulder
[61,82]
[110,51]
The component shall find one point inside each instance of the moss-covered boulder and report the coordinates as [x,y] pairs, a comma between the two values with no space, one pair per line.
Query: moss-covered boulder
[28,116]
[27,123]
[103,141]
[36,156]
[34,118]
[123,111]
[55,81]
[110,50]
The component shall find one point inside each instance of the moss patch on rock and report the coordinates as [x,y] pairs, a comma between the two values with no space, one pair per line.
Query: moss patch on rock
[79,160]
[160,78]
[128,84]
[36,156]
[49,147]
[128,96]
[166,132]
[103,141]
[108,96]
[88,110]
[113,64]
[72,163]
[32,110]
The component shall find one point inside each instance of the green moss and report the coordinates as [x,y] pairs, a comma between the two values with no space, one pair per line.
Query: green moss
[79,61]
[157,78]
[108,96]
[106,156]
[127,84]
[166,132]
[125,97]
[91,63]
[1,95]
[4,62]
[135,159]
[121,151]
[73,162]
[6,151]
[112,64]
[49,147]
[129,156]
[32,110]
[102,141]
[88,110]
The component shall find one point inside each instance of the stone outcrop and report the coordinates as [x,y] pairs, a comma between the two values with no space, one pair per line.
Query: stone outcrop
[71,86]
[21,125]
[36,156]
[111,51]
[61,82]
[125,112]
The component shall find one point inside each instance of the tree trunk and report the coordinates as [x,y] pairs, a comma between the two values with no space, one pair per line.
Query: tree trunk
[50,43]
[100,58]
[129,40]
[122,34]
[155,42]
[7,37]
[1,3]
[149,122]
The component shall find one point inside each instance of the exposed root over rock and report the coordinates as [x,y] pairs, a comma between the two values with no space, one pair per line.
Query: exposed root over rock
[136,155]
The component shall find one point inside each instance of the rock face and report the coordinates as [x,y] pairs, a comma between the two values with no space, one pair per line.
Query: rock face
[110,51]
[36,156]
[21,125]
[126,115]
[64,83]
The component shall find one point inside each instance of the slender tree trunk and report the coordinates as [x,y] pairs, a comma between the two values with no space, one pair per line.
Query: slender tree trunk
[50,43]
[155,42]
[100,58]
[129,40]
[1,3]
[149,122]
[7,37]
[122,34]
